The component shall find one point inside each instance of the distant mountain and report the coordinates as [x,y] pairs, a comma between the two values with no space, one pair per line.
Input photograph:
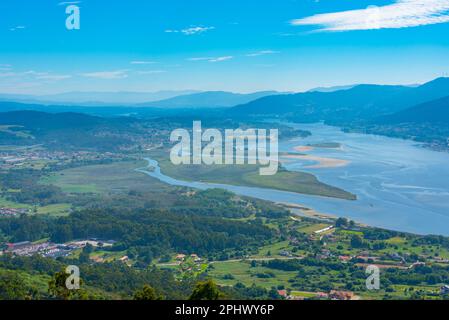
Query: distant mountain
[42,121]
[210,99]
[316,106]
[331,89]
[96,98]
[361,102]
[67,130]
[434,112]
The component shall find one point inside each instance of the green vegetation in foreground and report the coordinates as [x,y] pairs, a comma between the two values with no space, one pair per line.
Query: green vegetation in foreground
[248,175]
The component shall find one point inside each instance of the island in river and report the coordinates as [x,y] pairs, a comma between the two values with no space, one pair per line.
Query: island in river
[248,175]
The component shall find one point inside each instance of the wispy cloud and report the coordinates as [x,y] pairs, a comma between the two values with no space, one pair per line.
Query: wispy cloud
[107,75]
[142,62]
[7,74]
[5,67]
[211,59]
[261,53]
[147,72]
[54,77]
[191,31]
[17,28]
[37,75]
[220,59]
[400,14]
[67,3]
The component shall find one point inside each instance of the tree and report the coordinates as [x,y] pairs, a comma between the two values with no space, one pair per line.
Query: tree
[58,290]
[341,223]
[357,241]
[206,290]
[12,287]
[147,293]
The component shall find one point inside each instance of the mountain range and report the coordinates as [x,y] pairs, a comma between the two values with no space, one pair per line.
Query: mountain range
[161,99]
[435,111]
[124,98]
[210,99]
[362,102]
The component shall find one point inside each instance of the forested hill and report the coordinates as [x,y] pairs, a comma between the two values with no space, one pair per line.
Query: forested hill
[361,102]
[65,130]
[434,112]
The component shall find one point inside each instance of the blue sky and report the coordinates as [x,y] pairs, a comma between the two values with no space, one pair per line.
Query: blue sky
[241,46]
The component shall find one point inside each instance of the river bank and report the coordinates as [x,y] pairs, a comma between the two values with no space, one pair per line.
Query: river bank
[399,185]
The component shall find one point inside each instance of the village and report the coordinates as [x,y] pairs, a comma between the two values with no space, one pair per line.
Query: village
[51,250]
[37,157]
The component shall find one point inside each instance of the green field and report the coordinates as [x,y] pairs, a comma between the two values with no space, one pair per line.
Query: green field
[248,175]
[109,178]
[242,272]
[9,129]
[4,203]
[56,210]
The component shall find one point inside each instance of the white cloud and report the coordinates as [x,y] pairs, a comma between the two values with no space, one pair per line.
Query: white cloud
[33,74]
[54,77]
[200,59]
[5,67]
[142,62]
[67,3]
[220,59]
[17,28]
[261,53]
[7,74]
[191,31]
[107,75]
[401,14]
[147,72]
[212,59]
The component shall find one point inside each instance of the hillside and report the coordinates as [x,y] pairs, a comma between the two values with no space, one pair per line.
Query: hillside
[89,99]
[434,112]
[211,99]
[361,102]
[64,130]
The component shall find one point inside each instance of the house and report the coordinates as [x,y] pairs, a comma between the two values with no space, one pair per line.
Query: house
[444,290]
[285,253]
[18,245]
[283,293]
[322,295]
[196,258]
[324,230]
[341,295]
[180,257]
[344,259]
[124,259]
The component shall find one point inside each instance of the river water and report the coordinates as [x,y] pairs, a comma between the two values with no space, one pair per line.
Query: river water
[399,184]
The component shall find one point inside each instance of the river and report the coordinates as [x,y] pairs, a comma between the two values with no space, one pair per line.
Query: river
[399,184]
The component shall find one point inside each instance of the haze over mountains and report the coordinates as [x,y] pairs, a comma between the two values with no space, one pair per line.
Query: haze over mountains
[210,99]
[161,99]
[124,98]
[349,104]
[435,111]
[361,102]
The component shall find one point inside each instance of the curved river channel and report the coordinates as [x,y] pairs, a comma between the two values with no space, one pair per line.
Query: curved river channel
[399,185]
